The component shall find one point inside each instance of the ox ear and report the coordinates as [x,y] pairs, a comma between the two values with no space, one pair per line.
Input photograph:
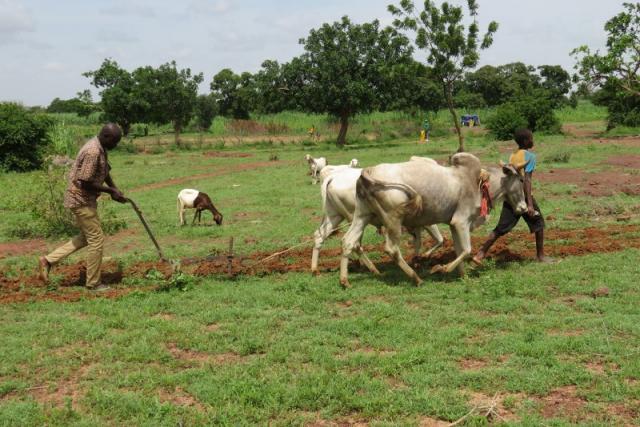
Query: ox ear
[508,169]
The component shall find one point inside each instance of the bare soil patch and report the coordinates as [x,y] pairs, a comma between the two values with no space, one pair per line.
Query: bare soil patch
[517,246]
[22,247]
[563,402]
[493,408]
[472,364]
[626,161]
[603,183]
[180,397]
[203,358]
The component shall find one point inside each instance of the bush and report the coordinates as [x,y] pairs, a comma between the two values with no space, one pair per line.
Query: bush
[49,217]
[505,122]
[23,137]
[532,112]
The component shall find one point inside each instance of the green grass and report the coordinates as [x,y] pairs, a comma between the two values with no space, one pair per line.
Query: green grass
[291,349]
[585,112]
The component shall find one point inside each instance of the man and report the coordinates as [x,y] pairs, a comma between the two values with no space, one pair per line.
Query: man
[87,177]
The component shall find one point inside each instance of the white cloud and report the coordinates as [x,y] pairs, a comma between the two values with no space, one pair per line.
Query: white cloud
[14,19]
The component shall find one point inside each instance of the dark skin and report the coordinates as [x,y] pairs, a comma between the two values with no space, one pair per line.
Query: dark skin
[493,237]
[109,137]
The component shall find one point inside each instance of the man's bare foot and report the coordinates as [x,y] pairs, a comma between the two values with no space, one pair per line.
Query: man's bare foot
[547,260]
[44,267]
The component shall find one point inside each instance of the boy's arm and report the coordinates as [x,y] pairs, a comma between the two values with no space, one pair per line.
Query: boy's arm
[528,177]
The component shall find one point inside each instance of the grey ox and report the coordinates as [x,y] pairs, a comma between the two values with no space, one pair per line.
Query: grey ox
[420,193]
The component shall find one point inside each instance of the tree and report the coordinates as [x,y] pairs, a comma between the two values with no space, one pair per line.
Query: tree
[234,93]
[119,100]
[346,68]
[621,63]
[170,93]
[451,47]
[206,109]
[23,137]
[556,82]
[616,72]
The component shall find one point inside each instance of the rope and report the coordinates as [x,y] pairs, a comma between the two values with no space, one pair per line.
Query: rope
[296,246]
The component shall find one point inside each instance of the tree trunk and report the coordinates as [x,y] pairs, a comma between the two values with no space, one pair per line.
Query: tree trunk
[448,92]
[342,135]
[126,127]
[177,127]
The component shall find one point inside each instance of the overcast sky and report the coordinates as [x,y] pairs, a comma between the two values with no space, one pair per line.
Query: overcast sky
[46,45]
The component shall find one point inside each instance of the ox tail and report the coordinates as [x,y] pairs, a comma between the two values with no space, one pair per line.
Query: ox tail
[367,186]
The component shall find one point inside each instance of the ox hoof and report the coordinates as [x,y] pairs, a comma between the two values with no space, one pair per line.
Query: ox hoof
[315,273]
[345,283]
[418,281]
[438,269]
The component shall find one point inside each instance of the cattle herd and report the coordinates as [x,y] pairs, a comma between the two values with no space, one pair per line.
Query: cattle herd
[414,195]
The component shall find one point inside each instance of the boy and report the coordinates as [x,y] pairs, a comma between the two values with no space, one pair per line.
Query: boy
[508,218]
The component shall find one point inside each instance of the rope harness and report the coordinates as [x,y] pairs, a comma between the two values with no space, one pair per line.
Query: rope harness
[486,204]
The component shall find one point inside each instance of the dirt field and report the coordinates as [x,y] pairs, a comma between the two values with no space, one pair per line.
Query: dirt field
[516,247]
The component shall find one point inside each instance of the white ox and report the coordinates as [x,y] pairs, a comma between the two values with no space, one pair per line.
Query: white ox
[330,169]
[418,193]
[338,192]
[315,165]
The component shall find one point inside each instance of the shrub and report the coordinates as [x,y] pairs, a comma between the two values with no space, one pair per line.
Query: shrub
[23,137]
[532,112]
[49,217]
[505,121]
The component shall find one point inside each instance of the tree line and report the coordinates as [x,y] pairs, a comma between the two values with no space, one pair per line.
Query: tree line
[425,61]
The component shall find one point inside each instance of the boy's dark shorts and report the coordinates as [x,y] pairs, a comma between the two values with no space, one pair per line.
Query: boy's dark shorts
[509,219]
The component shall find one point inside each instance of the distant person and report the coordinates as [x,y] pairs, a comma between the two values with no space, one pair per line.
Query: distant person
[86,181]
[426,126]
[508,218]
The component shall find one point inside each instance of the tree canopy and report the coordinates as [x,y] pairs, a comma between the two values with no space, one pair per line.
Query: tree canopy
[346,67]
[451,46]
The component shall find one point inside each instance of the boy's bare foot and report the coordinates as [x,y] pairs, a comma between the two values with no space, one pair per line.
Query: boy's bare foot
[547,260]
[44,267]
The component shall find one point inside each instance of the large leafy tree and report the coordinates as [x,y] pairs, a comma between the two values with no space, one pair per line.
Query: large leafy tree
[206,109]
[616,72]
[170,93]
[234,93]
[452,48]
[119,100]
[345,68]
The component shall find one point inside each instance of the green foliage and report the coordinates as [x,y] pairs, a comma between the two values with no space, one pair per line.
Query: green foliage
[205,111]
[534,112]
[63,140]
[120,99]
[509,82]
[169,92]
[505,121]
[43,202]
[233,93]
[347,66]
[616,71]
[179,281]
[23,137]
[451,46]
[82,105]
